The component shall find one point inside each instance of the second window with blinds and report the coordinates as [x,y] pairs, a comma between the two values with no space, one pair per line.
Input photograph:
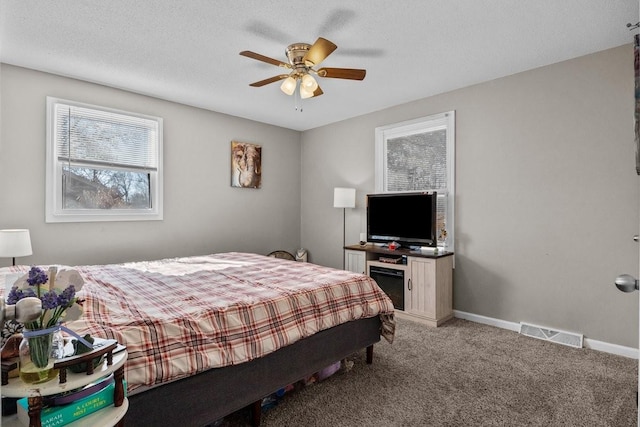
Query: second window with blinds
[419,155]
[102,164]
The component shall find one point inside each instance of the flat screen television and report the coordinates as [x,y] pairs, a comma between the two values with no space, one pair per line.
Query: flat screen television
[406,218]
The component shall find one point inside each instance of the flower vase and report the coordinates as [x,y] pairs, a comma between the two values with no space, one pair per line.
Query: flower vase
[36,363]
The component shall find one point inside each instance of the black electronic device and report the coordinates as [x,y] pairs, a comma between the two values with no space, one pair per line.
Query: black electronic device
[406,218]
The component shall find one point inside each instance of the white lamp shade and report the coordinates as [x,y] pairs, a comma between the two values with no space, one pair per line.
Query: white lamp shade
[305,93]
[309,83]
[344,197]
[289,85]
[15,243]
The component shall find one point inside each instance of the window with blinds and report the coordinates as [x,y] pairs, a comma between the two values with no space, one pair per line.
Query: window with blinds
[418,155]
[103,164]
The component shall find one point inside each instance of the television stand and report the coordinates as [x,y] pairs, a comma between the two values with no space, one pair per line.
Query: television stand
[425,291]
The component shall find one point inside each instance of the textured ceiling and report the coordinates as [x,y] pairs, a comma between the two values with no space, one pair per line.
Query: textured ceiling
[187,51]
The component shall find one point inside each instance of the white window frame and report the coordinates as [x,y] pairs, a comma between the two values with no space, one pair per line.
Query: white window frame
[54,211]
[430,123]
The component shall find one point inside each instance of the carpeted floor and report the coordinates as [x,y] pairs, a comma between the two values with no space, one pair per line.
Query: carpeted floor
[466,374]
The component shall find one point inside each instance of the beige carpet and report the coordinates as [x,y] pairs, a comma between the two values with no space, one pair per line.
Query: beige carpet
[466,374]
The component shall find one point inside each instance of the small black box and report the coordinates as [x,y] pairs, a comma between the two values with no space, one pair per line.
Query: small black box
[9,406]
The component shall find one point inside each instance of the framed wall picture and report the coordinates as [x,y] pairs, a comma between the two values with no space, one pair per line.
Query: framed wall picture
[246,165]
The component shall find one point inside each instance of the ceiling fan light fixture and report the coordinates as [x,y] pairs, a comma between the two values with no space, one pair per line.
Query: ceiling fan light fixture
[306,93]
[302,57]
[309,83]
[289,85]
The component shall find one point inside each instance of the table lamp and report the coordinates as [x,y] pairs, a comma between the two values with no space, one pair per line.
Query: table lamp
[15,243]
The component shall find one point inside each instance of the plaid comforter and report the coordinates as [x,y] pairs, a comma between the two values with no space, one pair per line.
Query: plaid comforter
[182,316]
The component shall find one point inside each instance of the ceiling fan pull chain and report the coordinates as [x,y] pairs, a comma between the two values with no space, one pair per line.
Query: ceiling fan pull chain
[297,97]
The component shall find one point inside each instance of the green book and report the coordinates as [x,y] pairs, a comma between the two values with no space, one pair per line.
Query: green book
[56,416]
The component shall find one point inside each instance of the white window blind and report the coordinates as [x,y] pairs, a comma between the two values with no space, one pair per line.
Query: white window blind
[105,138]
[417,162]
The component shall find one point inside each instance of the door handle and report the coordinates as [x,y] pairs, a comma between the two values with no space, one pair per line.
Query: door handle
[635,238]
[409,284]
[626,283]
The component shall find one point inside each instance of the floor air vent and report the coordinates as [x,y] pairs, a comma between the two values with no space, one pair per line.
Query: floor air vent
[561,337]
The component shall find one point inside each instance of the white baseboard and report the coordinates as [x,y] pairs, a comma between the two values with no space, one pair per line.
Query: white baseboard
[620,350]
[606,347]
[512,326]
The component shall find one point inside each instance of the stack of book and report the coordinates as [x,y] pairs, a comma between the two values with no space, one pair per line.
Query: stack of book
[64,408]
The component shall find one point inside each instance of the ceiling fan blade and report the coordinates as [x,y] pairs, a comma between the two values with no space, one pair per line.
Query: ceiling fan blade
[269,80]
[342,73]
[317,92]
[263,58]
[318,52]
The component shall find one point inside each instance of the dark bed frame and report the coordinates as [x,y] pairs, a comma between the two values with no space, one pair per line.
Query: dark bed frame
[208,396]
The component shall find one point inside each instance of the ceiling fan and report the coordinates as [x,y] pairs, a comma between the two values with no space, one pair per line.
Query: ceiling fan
[303,57]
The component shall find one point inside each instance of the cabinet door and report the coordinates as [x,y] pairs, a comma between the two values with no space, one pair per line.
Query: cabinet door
[355,261]
[423,286]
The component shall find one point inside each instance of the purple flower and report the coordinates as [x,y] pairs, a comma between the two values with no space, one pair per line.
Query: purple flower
[49,300]
[66,297]
[16,295]
[54,301]
[37,276]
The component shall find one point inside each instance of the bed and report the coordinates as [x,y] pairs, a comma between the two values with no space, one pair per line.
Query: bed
[209,335]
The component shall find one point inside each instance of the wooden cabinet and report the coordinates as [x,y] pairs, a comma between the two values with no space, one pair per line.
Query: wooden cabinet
[355,261]
[426,285]
[431,289]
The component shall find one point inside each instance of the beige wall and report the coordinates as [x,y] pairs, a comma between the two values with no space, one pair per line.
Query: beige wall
[202,212]
[547,196]
[546,193]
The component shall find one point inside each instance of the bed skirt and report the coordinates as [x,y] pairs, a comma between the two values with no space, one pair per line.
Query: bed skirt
[208,396]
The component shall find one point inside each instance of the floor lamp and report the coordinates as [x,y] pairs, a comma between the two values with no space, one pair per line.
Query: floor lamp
[344,198]
[15,243]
